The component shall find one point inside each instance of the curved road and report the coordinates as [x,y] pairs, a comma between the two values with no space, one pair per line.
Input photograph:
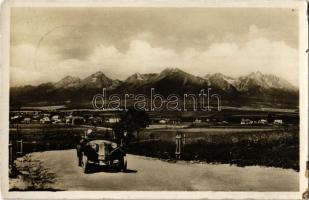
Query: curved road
[152,174]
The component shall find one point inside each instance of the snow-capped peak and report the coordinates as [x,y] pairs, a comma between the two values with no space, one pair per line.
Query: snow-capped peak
[266,81]
[68,81]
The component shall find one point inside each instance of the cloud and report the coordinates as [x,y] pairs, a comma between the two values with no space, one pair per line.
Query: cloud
[227,57]
[257,54]
[30,65]
[23,76]
[230,57]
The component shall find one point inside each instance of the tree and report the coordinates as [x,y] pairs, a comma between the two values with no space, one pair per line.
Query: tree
[136,120]
[131,121]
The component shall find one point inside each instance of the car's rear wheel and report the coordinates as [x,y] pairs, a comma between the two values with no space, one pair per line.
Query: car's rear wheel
[85,164]
[125,164]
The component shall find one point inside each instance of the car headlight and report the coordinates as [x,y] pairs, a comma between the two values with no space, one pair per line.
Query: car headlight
[94,147]
[114,145]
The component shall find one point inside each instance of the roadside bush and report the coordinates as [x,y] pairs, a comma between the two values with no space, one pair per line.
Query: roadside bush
[34,174]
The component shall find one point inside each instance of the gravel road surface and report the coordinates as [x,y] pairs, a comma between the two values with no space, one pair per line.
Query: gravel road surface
[153,174]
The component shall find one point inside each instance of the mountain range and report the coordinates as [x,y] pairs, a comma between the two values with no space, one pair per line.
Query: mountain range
[255,88]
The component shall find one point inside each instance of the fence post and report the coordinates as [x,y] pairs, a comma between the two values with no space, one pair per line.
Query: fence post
[12,167]
[19,150]
[34,146]
[11,153]
[178,146]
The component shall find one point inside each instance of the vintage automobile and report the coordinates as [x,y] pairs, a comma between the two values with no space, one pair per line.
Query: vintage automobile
[102,153]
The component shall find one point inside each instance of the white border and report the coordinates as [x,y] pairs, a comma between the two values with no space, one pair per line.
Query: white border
[4,98]
[303,96]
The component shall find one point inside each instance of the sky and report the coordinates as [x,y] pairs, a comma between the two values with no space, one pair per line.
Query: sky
[48,44]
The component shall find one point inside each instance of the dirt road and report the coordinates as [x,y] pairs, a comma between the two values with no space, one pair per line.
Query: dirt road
[152,174]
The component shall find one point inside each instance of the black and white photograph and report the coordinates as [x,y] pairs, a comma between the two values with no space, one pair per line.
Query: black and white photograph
[156,98]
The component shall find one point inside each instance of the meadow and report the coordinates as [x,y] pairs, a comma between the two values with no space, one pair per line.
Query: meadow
[272,147]
[43,137]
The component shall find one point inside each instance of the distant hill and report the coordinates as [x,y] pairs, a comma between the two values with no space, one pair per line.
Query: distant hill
[255,89]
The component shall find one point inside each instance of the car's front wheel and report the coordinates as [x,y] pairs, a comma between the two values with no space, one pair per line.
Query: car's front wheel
[123,164]
[85,164]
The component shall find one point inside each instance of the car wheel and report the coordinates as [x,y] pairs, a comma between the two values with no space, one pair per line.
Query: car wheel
[85,164]
[124,164]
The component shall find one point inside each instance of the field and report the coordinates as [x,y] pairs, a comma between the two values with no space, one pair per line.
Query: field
[273,146]
[42,137]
